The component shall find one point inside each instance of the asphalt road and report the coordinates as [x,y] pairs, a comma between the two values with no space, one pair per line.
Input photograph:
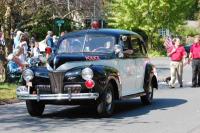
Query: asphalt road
[173,111]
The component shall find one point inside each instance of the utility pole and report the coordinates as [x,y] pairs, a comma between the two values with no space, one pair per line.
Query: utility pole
[94,12]
[68,5]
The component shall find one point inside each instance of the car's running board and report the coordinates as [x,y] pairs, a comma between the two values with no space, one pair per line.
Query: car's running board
[133,95]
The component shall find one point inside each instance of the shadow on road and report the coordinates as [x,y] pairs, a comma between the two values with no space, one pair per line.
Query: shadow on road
[74,116]
[128,108]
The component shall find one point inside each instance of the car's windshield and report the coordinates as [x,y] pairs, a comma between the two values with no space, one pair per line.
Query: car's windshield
[87,43]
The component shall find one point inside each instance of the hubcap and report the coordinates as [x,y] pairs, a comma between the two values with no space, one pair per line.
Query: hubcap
[106,104]
[108,101]
[108,98]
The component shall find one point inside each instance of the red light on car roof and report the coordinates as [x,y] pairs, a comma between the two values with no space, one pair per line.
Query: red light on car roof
[95,25]
[89,84]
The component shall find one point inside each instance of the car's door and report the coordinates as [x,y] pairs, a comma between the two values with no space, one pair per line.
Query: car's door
[127,69]
[140,57]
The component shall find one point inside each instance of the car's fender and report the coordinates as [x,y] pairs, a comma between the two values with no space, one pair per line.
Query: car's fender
[109,75]
[150,76]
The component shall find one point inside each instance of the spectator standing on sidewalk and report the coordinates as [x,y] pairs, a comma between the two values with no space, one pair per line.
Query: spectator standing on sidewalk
[36,50]
[50,44]
[195,57]
[17,39]
[2,40]
[177,54]
[23,45]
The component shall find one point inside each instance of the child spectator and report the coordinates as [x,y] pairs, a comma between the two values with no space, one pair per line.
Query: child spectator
[36,50]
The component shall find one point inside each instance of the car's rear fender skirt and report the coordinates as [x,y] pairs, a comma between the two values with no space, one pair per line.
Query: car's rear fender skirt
[150,76]
[154,82]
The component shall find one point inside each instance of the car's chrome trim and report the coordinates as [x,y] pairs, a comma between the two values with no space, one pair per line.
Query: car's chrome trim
[59,96]
[23,94]
[133,95]
[56,80]
[74,85]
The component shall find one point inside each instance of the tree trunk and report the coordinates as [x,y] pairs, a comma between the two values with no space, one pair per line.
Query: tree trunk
[7,30]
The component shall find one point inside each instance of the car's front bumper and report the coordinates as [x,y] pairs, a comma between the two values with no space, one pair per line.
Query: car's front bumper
[23,94]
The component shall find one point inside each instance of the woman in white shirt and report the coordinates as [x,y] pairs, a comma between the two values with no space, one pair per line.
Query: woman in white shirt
[23,44]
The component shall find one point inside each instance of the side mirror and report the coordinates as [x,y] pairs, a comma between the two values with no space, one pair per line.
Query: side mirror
[119,51]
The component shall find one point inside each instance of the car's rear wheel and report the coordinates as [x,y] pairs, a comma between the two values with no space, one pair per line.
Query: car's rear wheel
[148,97]
[35,108]
[105,106]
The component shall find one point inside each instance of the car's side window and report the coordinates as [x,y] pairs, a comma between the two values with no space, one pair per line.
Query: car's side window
[137,47]
[127,49]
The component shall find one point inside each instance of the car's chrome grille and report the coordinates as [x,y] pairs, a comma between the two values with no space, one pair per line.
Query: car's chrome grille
[43,89]
[72,88]
[56,79]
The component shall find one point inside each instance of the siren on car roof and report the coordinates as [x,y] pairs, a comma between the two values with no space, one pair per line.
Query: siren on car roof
[95,25]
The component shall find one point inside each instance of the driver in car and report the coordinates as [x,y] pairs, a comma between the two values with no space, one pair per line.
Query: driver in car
[107,46]
[76,46]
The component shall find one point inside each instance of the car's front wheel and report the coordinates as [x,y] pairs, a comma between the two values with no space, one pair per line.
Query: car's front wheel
[35,108]
[105,106]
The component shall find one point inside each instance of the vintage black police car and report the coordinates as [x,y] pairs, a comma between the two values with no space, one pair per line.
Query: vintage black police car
[96,66]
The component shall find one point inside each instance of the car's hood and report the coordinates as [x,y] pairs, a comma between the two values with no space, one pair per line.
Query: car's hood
[58,60]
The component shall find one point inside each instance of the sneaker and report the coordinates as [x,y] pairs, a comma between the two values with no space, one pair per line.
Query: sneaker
[167,80]
[193,86]
[171,87]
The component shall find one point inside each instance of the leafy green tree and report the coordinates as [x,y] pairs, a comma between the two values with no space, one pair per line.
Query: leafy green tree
[149,15]
[194,13]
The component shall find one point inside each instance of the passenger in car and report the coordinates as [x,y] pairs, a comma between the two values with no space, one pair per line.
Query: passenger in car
[76,46]
[64,46]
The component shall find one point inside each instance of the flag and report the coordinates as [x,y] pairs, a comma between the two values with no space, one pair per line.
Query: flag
[168,44]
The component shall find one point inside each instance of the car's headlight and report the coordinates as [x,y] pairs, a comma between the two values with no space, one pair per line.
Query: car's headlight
[87,73]
[28,75]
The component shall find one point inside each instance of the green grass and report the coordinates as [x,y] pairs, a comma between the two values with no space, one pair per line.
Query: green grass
[7,91]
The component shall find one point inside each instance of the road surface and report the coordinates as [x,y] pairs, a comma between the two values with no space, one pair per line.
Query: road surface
[173,111]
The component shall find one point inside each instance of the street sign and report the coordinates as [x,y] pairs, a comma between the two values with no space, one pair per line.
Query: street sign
[60,22]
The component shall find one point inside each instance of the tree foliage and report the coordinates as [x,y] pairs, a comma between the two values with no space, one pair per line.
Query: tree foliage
[149,15]
[34,15]
[194,13]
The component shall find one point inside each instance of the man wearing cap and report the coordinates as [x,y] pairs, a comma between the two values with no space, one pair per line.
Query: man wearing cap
[195,57]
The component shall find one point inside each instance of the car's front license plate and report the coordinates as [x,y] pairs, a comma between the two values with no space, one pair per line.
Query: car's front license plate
[29,84]
[22,90]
